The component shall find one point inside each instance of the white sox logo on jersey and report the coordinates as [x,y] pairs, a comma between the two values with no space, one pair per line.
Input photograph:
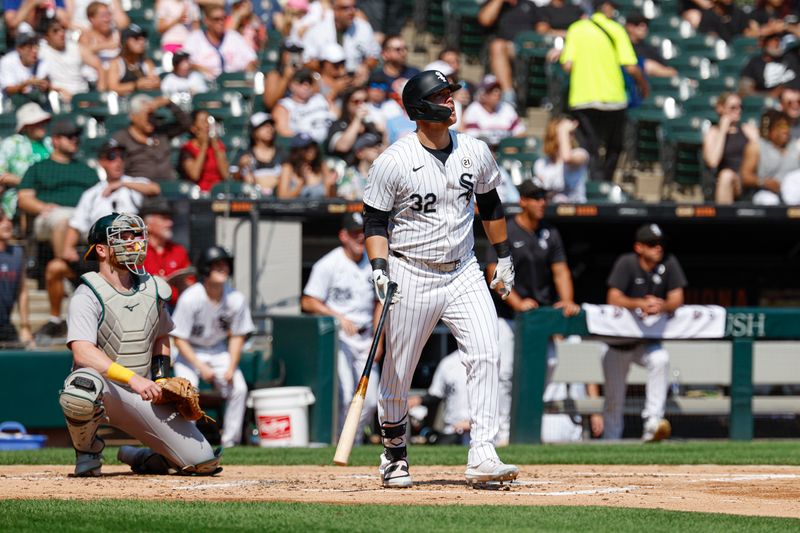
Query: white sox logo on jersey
[466,182]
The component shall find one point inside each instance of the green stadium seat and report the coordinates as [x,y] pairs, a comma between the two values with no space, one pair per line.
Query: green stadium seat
[96,104]
[235,189]
[177,189]
[682,162]
[8,124]
[462,29]
[694,66]
[242,82]
[531,68]
[222,104]
[113,123]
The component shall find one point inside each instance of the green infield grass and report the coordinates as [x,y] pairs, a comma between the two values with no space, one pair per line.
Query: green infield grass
[129,515]
[632,453]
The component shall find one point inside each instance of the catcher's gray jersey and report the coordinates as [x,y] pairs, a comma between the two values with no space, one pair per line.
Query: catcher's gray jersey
[432,205]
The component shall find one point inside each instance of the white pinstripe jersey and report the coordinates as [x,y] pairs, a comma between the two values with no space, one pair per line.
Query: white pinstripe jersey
[431,205]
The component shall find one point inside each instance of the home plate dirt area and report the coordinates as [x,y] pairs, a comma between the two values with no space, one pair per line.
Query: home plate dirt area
[745,490]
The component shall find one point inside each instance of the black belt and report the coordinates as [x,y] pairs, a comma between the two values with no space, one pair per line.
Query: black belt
[441,267]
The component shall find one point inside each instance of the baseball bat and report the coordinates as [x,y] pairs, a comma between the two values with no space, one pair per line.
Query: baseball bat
[348,435]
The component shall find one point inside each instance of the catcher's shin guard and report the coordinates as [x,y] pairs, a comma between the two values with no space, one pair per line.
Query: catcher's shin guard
[144,461]
[81,402]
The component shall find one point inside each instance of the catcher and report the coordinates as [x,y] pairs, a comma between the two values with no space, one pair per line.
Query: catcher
[118,332]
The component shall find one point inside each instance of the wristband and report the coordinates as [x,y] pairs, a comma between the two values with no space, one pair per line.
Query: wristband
[379,263]
[503,249]
[117,372]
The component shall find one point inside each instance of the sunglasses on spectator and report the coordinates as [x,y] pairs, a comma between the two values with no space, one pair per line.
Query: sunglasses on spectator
[71,137]
[358,101]
[398,48]
[217,19]
[113,155]
[350,7]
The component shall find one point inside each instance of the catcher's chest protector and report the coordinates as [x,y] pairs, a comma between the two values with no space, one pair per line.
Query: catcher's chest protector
[129,322]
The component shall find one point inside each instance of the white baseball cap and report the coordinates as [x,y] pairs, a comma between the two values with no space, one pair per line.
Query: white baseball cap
[332,53]
[442,66]
[30,113]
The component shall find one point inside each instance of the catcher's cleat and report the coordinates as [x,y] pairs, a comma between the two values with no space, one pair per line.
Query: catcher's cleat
[395,474]
[88,464]
[656,430]
[490,471]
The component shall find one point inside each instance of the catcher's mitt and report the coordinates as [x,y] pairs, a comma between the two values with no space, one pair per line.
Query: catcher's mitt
[184,395]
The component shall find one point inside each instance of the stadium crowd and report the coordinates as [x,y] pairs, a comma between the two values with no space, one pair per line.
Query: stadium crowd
[109,102]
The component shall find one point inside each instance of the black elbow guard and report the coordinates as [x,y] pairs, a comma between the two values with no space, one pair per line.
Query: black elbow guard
[489,205]
[376,222]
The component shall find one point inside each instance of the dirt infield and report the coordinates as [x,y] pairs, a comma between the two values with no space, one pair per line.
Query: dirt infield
[745,490]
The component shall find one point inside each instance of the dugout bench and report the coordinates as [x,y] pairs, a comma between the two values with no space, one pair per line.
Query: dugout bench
[753,352]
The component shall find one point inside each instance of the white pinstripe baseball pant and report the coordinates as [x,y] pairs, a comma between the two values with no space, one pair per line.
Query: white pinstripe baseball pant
[461,300]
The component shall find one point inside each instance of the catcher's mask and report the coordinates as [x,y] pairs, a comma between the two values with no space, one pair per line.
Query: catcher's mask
[126,235]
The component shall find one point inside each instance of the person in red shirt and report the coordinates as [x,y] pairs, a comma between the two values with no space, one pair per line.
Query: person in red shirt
[203,159]
[165,257]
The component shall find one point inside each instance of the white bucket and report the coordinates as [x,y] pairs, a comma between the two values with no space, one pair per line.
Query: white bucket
[282,415]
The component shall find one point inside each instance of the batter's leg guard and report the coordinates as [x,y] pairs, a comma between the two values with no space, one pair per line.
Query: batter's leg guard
[81,402]
[144,461]
[394,434]
[206,468]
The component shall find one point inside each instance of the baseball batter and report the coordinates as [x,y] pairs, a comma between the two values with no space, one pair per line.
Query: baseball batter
[117,329]
[419,207]
[340,285]
[212,322]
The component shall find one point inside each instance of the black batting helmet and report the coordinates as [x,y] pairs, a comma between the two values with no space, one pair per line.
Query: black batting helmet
[210,255]
[419,88]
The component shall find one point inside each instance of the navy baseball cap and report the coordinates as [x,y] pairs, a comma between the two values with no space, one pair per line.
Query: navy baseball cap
[650,234]
[301,140]
[353,222]
[531,189]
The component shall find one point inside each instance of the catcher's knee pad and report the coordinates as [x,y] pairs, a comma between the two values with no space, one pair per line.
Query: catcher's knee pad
[206,468]
[80,400]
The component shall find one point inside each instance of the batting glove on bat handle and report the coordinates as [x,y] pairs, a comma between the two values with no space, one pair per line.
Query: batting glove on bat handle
[381,281]
[504,273]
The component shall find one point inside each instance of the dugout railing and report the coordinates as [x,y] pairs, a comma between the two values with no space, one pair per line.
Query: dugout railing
[744,326]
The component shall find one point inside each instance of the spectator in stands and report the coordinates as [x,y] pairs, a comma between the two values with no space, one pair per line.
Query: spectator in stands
[79,19]
[770,70]
[594,51]
[381,107]
[18,152]
[287,21]
[387,17]
[775,14]
[100,43]
[13,287]
[490,119]
[261,163]
[133,70]
[21,72]
[217,50]
[637,26]
[557,16]
[354,122]
[278,79]
[506,19]
[366,150]
[769,160]
[724,146]
[165,257]
[62,62]
[49,191]
[305,174]
[722,18]
[176,20]
[27,16]
[394,53]
[147,141]
[118,193]
[203,159]
[646,282]
[244,21]
[333,78]
[183,79]
[304,110]
[790,104]
[565,166]
[360,47]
